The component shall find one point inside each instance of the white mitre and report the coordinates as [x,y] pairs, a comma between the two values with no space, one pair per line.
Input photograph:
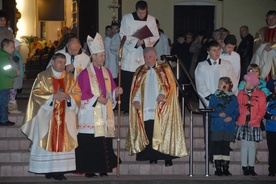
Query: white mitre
[95,45]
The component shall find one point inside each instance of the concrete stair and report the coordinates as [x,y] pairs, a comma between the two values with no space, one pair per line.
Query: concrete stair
[14,154]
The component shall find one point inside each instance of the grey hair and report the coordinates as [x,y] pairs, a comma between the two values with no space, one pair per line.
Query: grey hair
[149,49]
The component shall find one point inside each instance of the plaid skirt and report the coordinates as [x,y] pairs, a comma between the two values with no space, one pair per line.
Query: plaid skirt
[248,133]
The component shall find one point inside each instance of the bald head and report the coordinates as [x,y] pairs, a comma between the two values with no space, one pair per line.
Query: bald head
[150,56]
[73,46]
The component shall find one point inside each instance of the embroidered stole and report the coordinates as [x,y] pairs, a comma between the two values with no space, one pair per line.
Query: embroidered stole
[164,84]
[57,130]
[104,126]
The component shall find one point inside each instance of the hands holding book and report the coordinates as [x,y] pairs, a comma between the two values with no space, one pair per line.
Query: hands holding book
[143,33]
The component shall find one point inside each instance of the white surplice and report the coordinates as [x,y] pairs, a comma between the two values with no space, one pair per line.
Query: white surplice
[207,77]
[133,57]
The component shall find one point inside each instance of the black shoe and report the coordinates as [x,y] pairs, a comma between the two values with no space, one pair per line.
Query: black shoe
[218,172]
[153,161]
[251,171]
[271,174]
[48,176]
[103,174]
[7,123]
[90,175]
[168,163]
[10,123]
[226,173]
[60,177]
[245,171]
[125,112]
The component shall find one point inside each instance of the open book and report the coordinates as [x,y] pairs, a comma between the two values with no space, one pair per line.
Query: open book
[143,33]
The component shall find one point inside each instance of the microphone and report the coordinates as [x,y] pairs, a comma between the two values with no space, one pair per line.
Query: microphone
[72,62]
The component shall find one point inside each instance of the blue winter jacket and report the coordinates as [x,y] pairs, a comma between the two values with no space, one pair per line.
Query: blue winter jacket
[231,109]
[270,111]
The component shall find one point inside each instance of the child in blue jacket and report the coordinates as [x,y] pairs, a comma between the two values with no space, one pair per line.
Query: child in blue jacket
[223,122]
[270,127]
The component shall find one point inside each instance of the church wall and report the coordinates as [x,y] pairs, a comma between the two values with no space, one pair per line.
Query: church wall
[229,13]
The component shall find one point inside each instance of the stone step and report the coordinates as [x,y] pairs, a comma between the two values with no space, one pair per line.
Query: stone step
[143,168]
[8,146]
[124,119]
[198,130]
[21,156]
[17,144]
[23,144]
[13,138]
[198,143]
[11,132]
[197,119]
[15,169]
[23,95]
[14,154]
[17,118]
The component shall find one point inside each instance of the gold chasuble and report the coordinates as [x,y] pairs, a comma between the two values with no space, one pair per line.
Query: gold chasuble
[102,128]
[57,127]
[168,134]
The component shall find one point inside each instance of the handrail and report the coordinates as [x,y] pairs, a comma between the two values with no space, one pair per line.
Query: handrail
[188,104]
[192,109]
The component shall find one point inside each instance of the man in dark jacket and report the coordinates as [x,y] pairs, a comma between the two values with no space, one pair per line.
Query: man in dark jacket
[245,49]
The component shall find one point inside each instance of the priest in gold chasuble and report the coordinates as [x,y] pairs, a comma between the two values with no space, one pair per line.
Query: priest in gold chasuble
[51,120]
[155,128]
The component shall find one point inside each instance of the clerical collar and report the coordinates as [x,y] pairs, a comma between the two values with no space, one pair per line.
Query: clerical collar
[151,67]
[56,74]
[214,62]
[135,16]
[272,27]
[96,67]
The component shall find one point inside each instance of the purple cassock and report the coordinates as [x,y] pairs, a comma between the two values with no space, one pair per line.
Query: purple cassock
[84,83]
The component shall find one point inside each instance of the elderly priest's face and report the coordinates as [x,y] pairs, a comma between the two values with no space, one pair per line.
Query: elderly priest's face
[150,58]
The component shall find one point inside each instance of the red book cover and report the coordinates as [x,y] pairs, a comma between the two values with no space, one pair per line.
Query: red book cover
[143,33]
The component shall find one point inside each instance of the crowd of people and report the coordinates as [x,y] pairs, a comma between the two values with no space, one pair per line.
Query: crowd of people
[248,73]
[70,119]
